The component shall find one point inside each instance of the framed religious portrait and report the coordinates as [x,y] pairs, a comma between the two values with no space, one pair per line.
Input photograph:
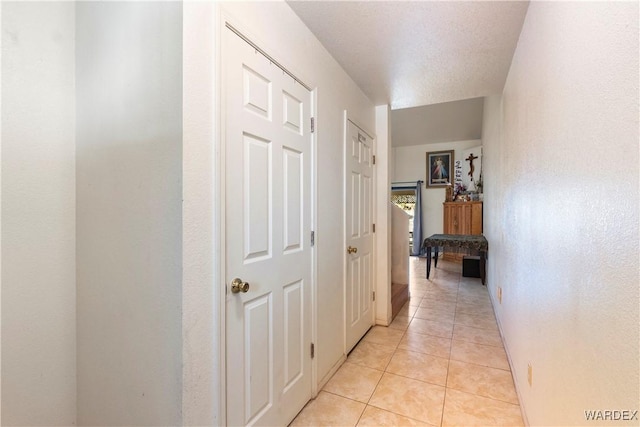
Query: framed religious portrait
[440,168]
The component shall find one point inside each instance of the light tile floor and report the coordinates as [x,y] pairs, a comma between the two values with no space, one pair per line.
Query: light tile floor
[440,363]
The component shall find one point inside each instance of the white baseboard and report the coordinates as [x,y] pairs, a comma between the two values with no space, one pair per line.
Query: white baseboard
[506,350]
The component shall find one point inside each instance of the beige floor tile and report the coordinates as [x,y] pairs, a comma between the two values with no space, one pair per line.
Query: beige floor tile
[447,268]
[354,381]
[438,303]
[480,354]
[420,282]
[439,292]
[415,301]
[418,279]
[487,382]
[375,417]
[445,273]
[444,278]
[473,289]
[442,306]
[400,322]
[375,356]
[431,327]
[464,409]
[442,273]
[472,282]
[383,335]
[418,292]
[483,322]
[427,344]
[419,366]
[447,285]
[408,310]
[481,308]
[477,335]
[410,398]
[453,266]
[329,410]
[434,314]
[442,294]
[443,290]
[474,311]
[445,300]
[482,301]
[474,293]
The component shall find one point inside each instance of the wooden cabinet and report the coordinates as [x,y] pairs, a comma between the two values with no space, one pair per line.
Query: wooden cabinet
[461,218]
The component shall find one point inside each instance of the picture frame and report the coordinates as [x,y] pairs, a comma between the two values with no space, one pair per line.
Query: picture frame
[440,168]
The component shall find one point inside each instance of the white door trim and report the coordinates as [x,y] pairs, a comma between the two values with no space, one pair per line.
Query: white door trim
[314,252]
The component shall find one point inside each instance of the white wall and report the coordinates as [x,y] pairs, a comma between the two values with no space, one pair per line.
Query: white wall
[561,209]
[201,293]
[384,164]
[129,223]
[410,164]
[38,215]
[0,219]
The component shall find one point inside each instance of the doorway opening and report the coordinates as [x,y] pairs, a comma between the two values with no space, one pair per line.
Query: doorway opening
[406,200]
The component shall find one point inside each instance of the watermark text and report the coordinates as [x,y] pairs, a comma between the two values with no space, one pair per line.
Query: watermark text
[611,415]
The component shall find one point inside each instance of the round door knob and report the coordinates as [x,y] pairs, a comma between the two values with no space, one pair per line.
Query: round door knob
[351,250]
[237,285]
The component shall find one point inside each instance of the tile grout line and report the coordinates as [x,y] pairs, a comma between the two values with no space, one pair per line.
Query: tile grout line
[484,397]
[446,387]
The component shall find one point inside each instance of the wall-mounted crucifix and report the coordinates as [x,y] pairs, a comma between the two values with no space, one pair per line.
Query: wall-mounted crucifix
[470,159]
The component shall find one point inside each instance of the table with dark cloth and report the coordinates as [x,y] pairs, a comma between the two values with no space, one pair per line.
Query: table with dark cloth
[465,243]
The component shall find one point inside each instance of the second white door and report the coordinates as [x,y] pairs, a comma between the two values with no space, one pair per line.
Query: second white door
[359,295]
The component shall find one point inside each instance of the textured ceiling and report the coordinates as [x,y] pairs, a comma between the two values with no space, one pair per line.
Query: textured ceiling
[413,53]
[446,122]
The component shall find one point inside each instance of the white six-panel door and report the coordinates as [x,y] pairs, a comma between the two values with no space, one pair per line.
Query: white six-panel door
[268,226]
[359,234]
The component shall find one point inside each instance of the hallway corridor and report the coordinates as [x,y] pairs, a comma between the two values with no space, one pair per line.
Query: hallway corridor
[440,363]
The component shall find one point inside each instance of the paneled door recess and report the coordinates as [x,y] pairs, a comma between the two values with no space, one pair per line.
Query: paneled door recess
[461,218]
[268,238]
[359,234]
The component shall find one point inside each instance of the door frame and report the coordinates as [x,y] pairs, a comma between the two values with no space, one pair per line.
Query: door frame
[374,203]
[223,18]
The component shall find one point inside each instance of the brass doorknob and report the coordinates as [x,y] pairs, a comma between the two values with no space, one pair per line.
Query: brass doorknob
[351,250]
[237,285]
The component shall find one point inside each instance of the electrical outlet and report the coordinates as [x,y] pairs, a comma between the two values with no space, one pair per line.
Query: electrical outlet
[500,294]
[529,374]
